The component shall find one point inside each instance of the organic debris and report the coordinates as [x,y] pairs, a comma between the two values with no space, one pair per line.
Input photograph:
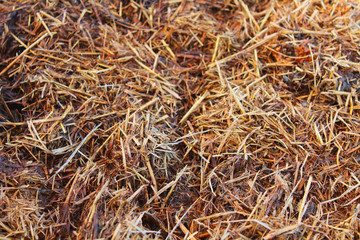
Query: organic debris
[179,119]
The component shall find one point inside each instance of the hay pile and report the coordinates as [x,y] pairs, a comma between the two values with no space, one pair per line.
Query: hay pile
[179,119]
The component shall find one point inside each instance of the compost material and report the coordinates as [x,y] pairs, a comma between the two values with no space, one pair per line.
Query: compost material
[179,119]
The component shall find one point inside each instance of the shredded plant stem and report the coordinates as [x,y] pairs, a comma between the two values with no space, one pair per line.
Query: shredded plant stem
[179,119]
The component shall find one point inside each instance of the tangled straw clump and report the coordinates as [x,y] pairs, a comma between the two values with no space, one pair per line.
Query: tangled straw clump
[179,119]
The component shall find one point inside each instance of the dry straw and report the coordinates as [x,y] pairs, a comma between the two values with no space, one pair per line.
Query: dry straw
[179,119]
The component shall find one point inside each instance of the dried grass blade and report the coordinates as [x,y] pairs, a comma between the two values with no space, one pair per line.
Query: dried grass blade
[25,51]
[77,149]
